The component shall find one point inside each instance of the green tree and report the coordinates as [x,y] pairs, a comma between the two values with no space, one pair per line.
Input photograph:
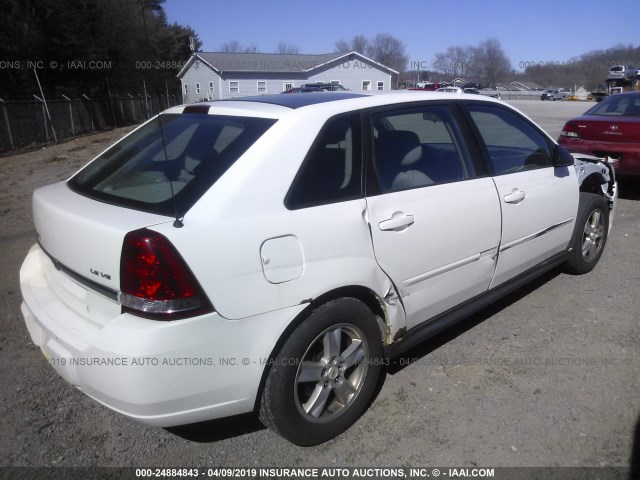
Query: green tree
[120,37]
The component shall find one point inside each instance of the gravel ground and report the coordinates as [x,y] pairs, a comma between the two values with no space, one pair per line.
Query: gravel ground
[553,381]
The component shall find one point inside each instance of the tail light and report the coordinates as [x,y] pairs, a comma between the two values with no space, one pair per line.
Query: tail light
[570,130]
[155,282]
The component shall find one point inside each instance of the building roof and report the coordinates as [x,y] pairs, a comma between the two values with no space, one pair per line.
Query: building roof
[272,62]
[525,85]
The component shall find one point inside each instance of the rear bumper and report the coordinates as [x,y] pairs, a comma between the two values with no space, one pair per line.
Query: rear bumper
[159,373]
[628,155]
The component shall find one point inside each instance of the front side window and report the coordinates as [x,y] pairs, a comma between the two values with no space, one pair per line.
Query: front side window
[512,143]
[366,85]
[197,88]
[418,147]
[234,87]
[380,85]
[169,162]
[262,87]
[331,171]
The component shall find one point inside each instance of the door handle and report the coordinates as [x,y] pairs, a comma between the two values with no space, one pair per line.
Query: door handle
[516,196]
[398,221]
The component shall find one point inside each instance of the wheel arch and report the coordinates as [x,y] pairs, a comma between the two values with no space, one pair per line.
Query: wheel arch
[364,294]
[593,183]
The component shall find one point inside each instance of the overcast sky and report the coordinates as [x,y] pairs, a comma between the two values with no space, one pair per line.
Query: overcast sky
[533,31]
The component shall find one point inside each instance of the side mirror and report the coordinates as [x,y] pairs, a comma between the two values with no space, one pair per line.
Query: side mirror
[562,157]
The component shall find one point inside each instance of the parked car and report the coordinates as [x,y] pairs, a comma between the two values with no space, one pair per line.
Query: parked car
[255,255]
[609,130]
[554,95]
[473,91]
[622,71]
[304,90]
[330,87]
[450,90]
[475,85]
[432,87]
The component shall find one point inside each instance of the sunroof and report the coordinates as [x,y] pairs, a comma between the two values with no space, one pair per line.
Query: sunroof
[296,100]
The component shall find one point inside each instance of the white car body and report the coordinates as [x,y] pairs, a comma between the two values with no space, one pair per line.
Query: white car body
[622,72]
[419,252]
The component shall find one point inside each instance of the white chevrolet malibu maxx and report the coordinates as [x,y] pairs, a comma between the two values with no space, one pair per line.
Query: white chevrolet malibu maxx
[270,253]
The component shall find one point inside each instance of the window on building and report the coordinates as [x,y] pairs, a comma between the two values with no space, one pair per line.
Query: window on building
[186,89]
[234,87]
[380,85]
[366,85]
[288,86]
[262,86]
[210,89]
[198,88]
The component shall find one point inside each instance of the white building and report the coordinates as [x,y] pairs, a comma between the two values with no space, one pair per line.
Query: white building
[213,76]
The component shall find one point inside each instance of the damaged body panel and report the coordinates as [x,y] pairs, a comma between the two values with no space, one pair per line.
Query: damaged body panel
[596,176]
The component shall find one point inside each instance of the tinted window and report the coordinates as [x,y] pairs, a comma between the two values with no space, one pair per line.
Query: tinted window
[182,157]
[418,147]
[331,172]
[513,143]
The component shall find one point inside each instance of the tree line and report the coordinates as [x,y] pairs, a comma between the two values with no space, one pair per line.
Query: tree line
[587,70]
[90,47]
[488,64]
[485,63]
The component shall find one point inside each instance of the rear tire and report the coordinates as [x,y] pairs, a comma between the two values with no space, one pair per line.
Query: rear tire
[590,233]
[325,374]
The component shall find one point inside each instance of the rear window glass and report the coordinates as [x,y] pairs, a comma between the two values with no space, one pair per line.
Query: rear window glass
[168,164]
[616,105]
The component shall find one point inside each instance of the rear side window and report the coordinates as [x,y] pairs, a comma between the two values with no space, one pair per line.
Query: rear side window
[170,162]
[332,170]
[513,144]
[418,147]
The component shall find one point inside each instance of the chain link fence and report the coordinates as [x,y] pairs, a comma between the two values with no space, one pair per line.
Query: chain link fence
[29,123]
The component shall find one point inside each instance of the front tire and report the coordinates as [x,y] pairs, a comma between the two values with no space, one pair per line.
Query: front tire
[590,233]
[325,374]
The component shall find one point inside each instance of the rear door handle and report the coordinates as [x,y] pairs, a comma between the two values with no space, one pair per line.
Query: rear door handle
[516,196]
[398,221]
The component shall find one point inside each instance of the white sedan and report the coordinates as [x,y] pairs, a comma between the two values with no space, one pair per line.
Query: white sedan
[450,90]
[271,253]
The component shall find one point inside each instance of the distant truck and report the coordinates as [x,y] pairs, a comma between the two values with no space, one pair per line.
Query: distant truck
[554,94]
[621,78]
[599,92]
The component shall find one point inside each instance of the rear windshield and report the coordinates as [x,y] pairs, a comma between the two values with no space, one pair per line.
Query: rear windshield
[618,105]
[168,164]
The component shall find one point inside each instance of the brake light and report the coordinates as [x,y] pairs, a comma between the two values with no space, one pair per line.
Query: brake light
[155,282]
[570,130]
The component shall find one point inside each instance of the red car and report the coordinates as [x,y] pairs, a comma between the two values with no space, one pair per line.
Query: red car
[431,87]
[609,130]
